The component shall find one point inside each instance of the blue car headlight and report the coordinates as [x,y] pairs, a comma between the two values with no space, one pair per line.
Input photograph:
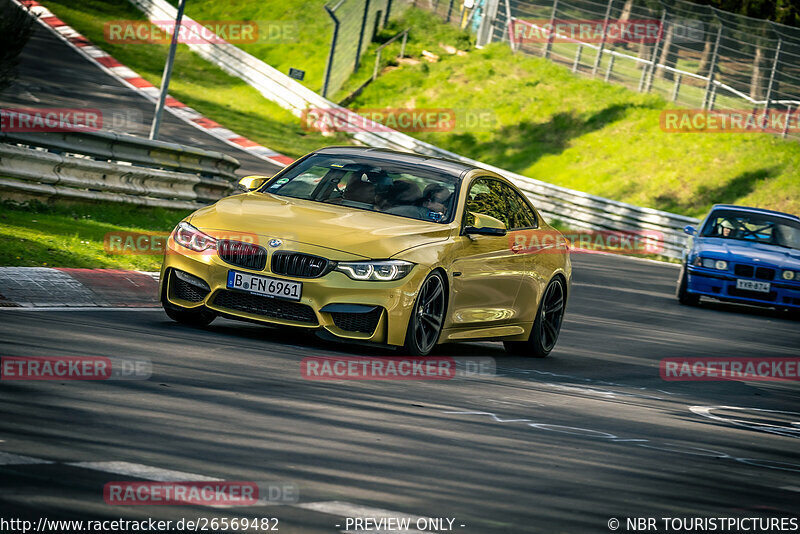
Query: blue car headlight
[709,263]
[791,275]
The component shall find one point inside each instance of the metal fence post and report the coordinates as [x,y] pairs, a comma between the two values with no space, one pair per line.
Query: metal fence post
[449,10]
[389,8]
[599,57]
[708,100]
[651,65]
[486,28]
[154,127]
[786,125]
[677,87]
[329,64]
[577,58]
[610,67]
[361,35]
[549,42]
[403,46]
[772,74]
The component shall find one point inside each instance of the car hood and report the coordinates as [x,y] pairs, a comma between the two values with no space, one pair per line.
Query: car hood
[356,232]
[729,249]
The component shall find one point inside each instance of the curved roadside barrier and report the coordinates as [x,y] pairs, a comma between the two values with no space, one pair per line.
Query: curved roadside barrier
[113,167]
[572,208]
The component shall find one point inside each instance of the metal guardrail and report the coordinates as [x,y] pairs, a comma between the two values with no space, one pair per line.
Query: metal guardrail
[113,167]
[573,208]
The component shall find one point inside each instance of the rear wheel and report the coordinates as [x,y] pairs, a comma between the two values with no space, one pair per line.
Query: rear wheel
[427,316]
[682,292]
[546,326]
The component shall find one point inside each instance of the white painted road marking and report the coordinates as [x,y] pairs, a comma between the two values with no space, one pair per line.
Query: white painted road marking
[14,459]
[144,471]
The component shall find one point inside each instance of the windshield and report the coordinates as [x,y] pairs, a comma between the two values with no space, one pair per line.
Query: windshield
[370,184]
[761,228]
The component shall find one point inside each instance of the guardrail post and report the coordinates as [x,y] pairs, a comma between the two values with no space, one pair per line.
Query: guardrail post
[173,45]
[361,35]
[329,64]
[676,87]
[577,58]
[449,10]
[708,98]
[610,67]
[599,57]
[772,74]
[646,81]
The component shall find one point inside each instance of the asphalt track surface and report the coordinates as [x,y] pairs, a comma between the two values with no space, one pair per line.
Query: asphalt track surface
[52,74]
[562,444]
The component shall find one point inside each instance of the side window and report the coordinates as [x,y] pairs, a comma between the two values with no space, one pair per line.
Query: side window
[485,197]
[521,214]
[496,199]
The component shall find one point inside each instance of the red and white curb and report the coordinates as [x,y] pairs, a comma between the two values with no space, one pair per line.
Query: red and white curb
[132,80]
[41,287]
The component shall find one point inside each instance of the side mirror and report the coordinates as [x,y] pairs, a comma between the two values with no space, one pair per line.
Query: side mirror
[250,183]
[485,225]
[484,230]
[690,230]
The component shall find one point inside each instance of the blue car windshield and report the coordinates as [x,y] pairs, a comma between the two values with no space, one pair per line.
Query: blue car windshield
[381,185]
[753,227]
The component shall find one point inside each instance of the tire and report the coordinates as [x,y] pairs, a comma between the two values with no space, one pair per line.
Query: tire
[546,326]
[684,297]
[427,316]
[189,317]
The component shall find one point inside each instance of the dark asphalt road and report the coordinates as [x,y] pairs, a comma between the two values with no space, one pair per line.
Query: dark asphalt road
[555,445]
[52,74]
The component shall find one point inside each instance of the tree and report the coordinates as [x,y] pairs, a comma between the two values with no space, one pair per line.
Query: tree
[16,27]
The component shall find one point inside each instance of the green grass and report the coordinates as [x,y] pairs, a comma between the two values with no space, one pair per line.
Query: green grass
[71,235]
[197,83]
[588,135]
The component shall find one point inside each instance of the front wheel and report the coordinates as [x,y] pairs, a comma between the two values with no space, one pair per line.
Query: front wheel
[682,291]
[547,325]
[427,316]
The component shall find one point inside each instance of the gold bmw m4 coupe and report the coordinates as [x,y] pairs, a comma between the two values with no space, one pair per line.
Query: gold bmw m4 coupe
[370,245]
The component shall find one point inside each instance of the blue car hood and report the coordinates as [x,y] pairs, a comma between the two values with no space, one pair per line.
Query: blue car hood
[736,250]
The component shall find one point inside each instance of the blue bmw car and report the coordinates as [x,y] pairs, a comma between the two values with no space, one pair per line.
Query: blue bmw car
[742,254]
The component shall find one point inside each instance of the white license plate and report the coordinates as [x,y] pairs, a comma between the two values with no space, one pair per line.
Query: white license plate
[264,285]
[752,285]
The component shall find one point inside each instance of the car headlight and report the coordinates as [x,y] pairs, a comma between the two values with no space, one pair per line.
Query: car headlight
[190,237]
[791,275]
[720,265]
[381,271]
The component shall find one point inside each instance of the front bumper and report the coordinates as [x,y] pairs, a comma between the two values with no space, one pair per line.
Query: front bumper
[333,302]
[721,285]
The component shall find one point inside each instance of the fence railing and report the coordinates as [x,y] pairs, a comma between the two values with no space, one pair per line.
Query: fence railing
[702,57]
[112,167]
[573,208]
